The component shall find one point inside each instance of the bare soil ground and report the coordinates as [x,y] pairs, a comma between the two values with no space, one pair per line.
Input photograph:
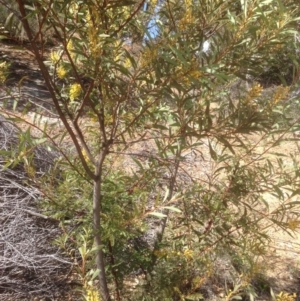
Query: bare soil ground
[283,260]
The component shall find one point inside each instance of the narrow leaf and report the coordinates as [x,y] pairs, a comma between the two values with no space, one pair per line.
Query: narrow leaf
[172,208]
[157,214]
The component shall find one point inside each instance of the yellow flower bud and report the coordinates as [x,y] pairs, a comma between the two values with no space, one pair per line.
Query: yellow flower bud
[75,91]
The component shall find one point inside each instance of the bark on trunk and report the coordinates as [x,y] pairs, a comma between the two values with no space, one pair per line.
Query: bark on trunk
[97,234]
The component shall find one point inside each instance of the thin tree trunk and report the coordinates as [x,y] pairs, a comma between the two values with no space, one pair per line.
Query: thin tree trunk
[97,231]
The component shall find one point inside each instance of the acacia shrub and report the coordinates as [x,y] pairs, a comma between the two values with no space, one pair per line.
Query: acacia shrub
[176,96]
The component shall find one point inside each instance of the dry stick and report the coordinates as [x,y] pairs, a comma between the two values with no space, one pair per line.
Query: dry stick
[39,215]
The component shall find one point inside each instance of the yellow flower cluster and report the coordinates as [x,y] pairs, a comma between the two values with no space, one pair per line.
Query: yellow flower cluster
[93,34]
[127,63]
[248,277]
[75,91]
[70,48]
[61,72]
[293,224]
[3,71]
[286,297]
[94,43]
[186,20]
[185,75]
[254,92]
[148,56]
[188,16]
[92,294]
[188,254]
[153,2]
[54,57]
[280,94]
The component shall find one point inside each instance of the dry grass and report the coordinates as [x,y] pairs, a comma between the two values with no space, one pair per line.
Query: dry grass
[30,264]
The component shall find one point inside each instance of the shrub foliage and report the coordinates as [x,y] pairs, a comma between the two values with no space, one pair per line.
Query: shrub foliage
[173,139]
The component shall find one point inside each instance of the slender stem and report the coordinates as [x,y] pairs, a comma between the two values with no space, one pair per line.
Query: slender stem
[97,225]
